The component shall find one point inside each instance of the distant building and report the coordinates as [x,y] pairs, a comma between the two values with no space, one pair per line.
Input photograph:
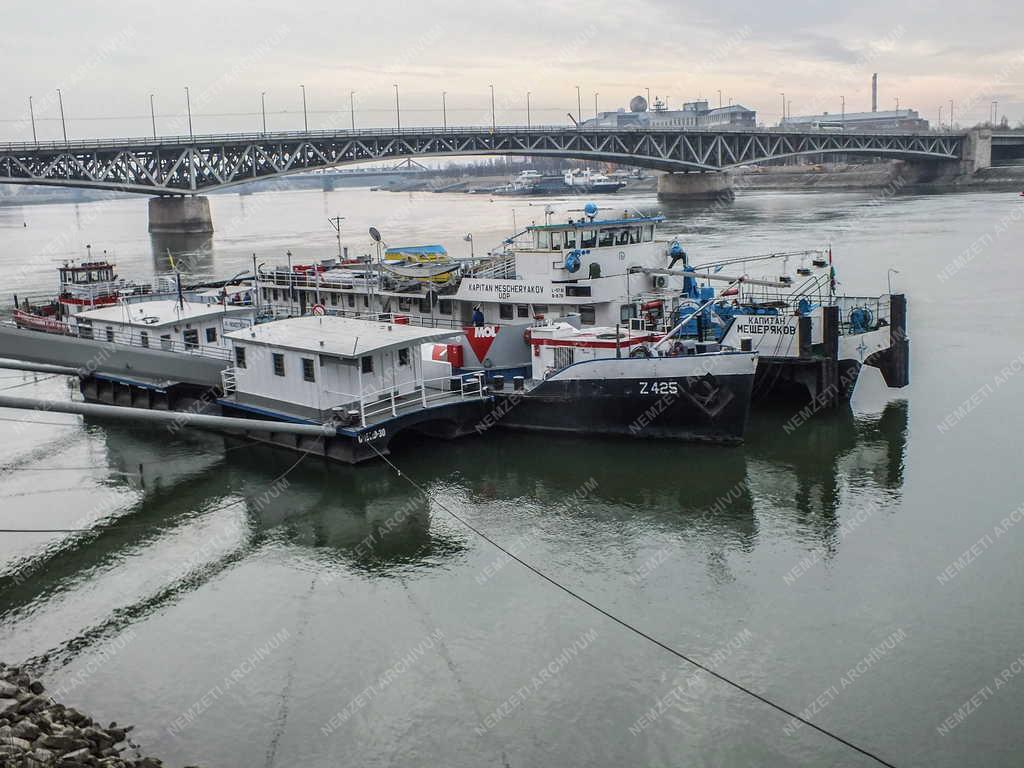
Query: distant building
[893,120]
[694,114]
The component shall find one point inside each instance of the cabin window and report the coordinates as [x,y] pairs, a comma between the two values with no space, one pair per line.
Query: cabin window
[144,338]
[634,235]
[85,331]
[588,238]
[240,357]
[540,309]
[543,239]
[211,335]
[404,304]
[626,313]
[191,338]
[351,299]
[522,310]
[334,299]
[570,238]
[588,314]
[165,342]
[275,294]
[110,333]
[403,356]
[366,302]
[278,360]
[648,233]
[366,364]
[556,241]
[505,311]
[444,306]
[424,306]
[308,372]
[622,237]
[606,238]
[266,294]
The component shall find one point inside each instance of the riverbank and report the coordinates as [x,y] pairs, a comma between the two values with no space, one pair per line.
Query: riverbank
[36,730]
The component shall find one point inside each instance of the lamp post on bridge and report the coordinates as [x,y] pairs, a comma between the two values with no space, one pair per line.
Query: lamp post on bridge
[305,115]
[595,107]
[783,118]
[398,108]
[188,109]
[951,114]
[648,97]
[842,122]
[527,110]
[32,117]
[579,106]
[152,114]
[719,98]
[940,117]
[263,109]
[444,110]
[352,107]
[63,126]
[493,124]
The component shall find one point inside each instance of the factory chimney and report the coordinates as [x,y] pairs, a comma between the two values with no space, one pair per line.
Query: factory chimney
[874,92]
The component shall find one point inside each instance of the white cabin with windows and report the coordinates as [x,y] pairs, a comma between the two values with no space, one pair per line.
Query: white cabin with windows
[310,367]
[165,324]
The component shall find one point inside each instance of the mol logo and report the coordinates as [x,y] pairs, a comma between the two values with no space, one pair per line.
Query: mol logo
[480,339]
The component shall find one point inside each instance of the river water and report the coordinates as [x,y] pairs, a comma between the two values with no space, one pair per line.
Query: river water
[243,609]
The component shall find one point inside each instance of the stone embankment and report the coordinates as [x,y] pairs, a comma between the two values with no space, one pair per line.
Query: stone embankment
[36,731]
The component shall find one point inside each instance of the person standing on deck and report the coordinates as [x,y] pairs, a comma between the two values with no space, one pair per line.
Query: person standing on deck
[478,316]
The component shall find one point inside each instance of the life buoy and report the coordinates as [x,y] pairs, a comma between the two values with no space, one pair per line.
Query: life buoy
[526,336]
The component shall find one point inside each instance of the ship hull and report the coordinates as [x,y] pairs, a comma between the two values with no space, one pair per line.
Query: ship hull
[692,399]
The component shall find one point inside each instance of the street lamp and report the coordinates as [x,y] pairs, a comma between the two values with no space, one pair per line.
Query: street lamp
[719,98]
[579,106]
[469,239]
[843,121]
[64,128]
[892,271]
[940,117]
[444,110]
[152,114]
[527,109]
[32,117]
[398,109]
[352,107]
[648,97]
[493,126]
[783,108]
[897,103]
[595,106]
[188,108]
[263,107]
[305,117]
[951,114]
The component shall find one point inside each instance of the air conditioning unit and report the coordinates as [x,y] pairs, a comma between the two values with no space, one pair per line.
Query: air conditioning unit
[660,281]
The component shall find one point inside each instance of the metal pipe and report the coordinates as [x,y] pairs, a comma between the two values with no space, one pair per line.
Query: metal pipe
[180,418]
[726,278]
[21,365]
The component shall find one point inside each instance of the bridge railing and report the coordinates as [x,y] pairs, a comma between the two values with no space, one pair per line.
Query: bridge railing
[234,138]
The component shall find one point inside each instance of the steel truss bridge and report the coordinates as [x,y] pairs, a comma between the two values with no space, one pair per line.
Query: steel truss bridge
[191,164]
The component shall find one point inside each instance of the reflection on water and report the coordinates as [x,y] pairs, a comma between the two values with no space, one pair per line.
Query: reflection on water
[369,520]
[193,253]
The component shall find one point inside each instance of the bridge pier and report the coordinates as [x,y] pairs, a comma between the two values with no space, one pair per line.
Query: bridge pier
[695,186]
[180,215]
[977,151]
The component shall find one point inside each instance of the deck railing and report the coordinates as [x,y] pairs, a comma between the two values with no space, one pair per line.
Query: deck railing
[368,405]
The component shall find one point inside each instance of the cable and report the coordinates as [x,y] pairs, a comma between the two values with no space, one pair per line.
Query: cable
[34,381]
[633,629]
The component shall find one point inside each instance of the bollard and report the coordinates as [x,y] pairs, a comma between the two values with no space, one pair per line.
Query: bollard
[498,382]
[746,344]
[518,383]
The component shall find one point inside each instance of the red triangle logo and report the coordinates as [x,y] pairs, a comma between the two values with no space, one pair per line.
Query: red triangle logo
[480,339]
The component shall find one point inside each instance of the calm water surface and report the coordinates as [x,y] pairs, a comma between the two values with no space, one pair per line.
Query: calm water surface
[338,618]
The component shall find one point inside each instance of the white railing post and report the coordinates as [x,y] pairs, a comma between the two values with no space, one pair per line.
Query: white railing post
[362,412]
[394,410]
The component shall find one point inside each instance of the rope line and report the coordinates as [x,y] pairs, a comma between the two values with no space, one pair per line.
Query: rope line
[635,630]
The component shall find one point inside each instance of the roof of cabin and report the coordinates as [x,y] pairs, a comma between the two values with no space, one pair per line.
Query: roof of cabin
[340,336]
[157,313]
[596,223]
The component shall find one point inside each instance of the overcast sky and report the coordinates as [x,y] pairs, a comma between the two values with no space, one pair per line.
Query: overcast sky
[108,56]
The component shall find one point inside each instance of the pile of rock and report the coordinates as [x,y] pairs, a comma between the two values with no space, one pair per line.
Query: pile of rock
[36,731]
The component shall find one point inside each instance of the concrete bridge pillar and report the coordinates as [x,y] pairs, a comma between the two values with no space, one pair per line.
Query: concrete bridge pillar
[977,151]
[180,215]
[695,186]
